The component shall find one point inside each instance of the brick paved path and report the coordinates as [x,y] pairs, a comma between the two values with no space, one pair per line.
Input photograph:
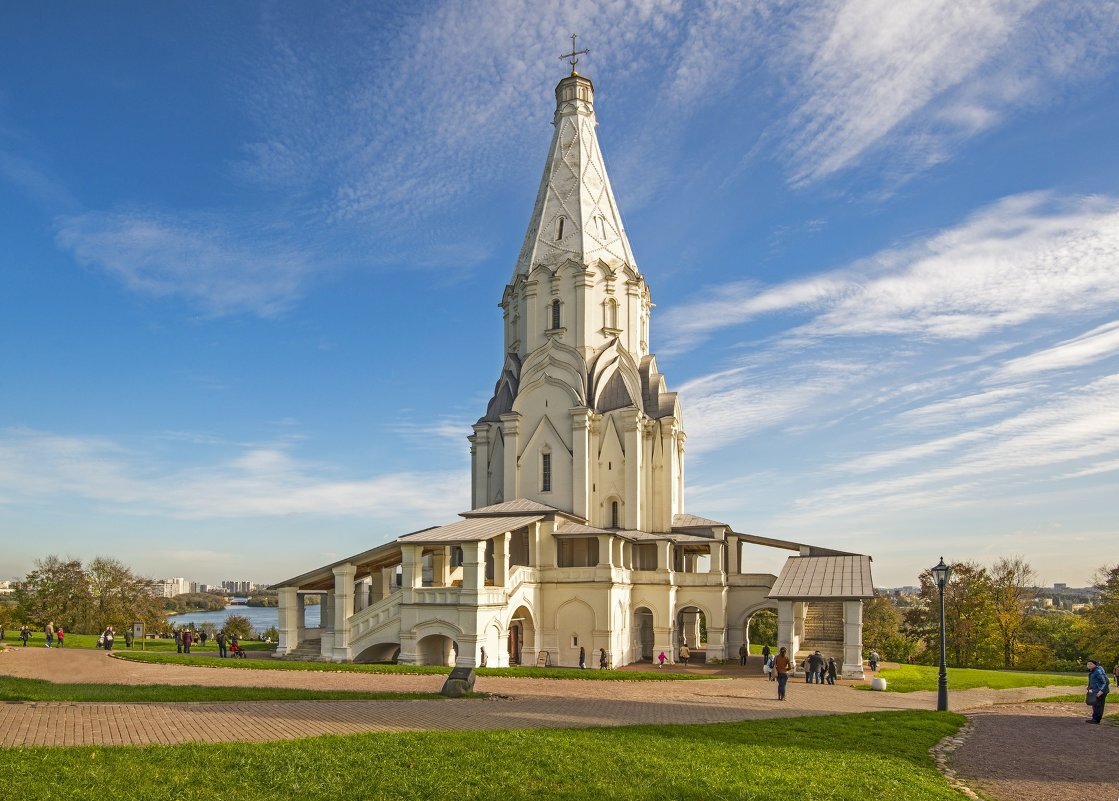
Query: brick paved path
[1040,752]
[523,703]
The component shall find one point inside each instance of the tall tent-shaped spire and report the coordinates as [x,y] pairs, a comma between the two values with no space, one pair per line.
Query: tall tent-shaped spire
[575,216]
[581,419]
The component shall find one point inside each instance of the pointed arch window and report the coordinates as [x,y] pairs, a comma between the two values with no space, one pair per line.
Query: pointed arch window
[559,228]
[614,515]
[610,313]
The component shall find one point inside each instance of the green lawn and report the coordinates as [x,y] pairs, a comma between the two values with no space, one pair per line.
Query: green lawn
[911,678]
[38,640]
[834,758]
[14,689]
[519,672]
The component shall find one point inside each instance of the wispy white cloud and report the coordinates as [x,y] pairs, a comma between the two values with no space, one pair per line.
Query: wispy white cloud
[913,80]
[199,260]
[256,482]
[1099,343]
[1022,258]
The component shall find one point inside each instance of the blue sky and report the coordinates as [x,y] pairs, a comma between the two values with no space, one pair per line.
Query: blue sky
[251,255]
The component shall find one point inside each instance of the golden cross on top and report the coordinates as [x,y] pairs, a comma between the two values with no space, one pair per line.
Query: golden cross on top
[573,55]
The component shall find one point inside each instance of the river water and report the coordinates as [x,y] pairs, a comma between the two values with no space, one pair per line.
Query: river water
[262,617]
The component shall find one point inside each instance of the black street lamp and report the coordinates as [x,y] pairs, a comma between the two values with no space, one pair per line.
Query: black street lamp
[941,573]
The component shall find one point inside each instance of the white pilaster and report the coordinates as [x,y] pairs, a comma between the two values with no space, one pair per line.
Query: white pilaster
[289,620]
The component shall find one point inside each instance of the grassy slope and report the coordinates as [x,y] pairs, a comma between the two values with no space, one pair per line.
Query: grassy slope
[911,678]
[836,758]
[522,672]
[15,689]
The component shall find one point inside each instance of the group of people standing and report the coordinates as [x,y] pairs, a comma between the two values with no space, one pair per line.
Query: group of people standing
[54,635]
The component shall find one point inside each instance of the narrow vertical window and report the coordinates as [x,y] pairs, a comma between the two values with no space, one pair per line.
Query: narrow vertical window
[613,514]
[610,309]
[555,314]
[545,472]
[559,228]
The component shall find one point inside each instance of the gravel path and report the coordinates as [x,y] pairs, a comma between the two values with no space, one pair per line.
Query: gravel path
[1040,752]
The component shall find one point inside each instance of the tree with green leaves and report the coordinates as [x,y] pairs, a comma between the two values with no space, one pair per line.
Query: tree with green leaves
[239,625]
[882,630]
[1101,639]
[969,623]
[1012,591]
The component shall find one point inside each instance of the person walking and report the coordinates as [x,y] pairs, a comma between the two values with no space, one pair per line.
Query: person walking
[109,636]
[782,666]
[765,654]
[50,634]
[816,666]
[24,634]
[603,662]
[60,634]
[660,659]
[831,670]
[742,654]
[873,658]
[188,640]
[1097,690]
[772,670]
[178,641]
[221,643]
[1115,670]
[582,658]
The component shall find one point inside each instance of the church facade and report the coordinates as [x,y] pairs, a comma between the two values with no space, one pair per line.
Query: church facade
[577,544]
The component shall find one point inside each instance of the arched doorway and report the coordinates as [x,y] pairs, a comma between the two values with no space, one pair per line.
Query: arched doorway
[381,653]
[436,649]
[642,634]
[691,627]
[522,637]
[760,629]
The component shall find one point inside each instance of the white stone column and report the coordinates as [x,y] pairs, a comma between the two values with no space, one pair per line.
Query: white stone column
[474,565]
[605,550]
[289,623]
[412,561]
[664,556]
[662,642]
[787,636]
[853,639]
[388,580]
[733,555]
[326,616]
[716,549]
[343,611]
[501,559]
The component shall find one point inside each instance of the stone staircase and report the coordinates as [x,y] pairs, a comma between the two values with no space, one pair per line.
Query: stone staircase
[306,651]
[823,630]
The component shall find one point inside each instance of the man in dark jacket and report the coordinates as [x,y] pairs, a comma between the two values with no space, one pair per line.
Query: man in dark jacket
[1098,684]
[815,670]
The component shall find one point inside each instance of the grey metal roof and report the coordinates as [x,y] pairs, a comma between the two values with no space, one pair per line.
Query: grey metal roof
[473,529]
[515,507]
[694,521]
[824,577]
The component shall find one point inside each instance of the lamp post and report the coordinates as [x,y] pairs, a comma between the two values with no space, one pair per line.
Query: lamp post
[941,573]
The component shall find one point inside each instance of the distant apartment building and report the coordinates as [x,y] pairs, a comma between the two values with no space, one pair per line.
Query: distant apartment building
[169,588]
[6,588]
[238,587]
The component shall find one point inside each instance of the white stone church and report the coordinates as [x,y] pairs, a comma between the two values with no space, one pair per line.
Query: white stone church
[578,539]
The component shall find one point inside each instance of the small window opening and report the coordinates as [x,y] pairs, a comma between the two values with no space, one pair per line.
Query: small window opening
[555,314]
[613,514]
[559,228]
[546,472]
